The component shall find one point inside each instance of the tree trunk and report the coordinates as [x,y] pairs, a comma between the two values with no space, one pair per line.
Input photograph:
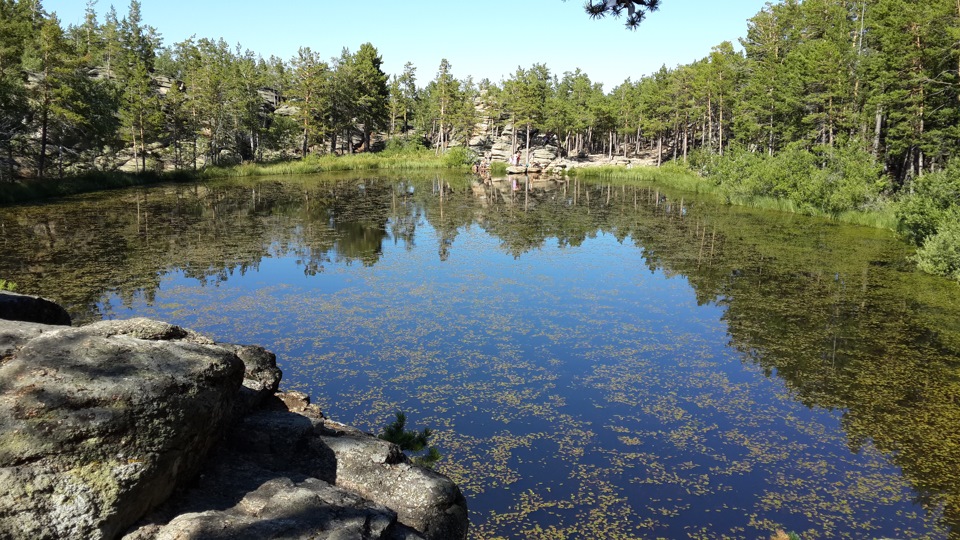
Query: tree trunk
[676,141]
[710,121]
[770,138]
[721,128]
[920,137]
[143,146]
[703,132]
[442,144]
[878,124]
[528,144]
[41,161]
[133,139]
[196,142]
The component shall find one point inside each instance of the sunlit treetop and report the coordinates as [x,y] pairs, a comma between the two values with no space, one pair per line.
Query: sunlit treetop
[636,9]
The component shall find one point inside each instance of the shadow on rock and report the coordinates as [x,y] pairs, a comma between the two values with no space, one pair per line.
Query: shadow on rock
[123,422]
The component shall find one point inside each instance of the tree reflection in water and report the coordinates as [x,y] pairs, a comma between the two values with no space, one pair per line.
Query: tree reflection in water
[523,358]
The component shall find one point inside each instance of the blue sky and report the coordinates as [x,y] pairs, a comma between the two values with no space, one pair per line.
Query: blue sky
[485,39]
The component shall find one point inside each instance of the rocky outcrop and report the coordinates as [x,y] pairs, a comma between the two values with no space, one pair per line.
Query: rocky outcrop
[379,471]
[499,148]
[99,424]
[145,429]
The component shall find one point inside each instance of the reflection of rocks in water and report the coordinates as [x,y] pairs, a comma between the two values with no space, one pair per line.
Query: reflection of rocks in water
[510,189]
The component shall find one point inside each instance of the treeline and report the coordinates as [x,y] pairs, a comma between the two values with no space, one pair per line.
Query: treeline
[837,105]
[881,75]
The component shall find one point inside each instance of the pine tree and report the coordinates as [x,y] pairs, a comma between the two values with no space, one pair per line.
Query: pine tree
[726,68]
[244,79]
[913,81]
[463,118]
[656,109]
[444,92]
[16,29]
[87,37]
[408,93]
[342,93]
[411,441]
[111,54]
[140,110]
[372,93]
[53,95]
[526,98]
[394,103]
[636,10]
[311,78]
[770,95]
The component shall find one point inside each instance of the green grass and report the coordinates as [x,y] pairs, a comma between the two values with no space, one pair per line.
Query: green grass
[404,160]
[671,176]
[400,161]
[29,190]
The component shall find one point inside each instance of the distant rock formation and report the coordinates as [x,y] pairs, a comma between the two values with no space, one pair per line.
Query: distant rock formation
[144,430]
[499,148]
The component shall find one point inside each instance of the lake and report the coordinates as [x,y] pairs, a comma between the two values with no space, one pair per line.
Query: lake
[597,360]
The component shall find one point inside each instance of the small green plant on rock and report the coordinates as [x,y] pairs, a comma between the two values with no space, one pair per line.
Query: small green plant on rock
[7,285]
[411,441]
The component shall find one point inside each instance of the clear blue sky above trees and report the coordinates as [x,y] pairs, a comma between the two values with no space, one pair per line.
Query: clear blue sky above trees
[487,38]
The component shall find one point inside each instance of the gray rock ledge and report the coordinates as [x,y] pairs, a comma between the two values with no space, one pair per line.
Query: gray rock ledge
[142,430]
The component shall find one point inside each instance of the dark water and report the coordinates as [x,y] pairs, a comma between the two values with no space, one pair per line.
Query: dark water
[598,361]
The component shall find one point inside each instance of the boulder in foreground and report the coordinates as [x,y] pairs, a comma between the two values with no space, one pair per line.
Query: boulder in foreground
[145,429]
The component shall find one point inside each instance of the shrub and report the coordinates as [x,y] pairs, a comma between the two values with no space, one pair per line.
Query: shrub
[498,168]
[921,213]
[850,179]
[411,441]
[918,218]
[458,157]
[940,252]
[404,145]
[829,179]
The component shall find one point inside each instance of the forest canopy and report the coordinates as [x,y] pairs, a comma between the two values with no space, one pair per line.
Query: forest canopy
[838,105]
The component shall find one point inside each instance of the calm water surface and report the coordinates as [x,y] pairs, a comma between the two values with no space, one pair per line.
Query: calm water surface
[598,361]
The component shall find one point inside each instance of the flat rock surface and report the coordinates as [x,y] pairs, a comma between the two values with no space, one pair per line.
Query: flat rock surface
[239,499]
